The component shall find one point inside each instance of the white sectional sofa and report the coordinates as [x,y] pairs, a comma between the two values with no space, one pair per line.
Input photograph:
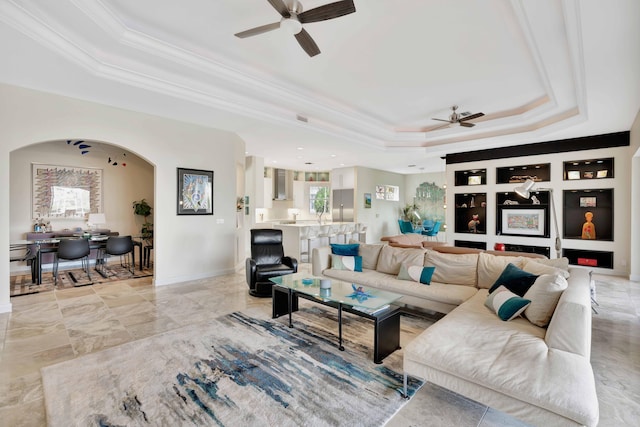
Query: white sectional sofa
[541,375]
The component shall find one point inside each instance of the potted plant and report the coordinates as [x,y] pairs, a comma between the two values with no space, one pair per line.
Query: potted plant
[142,208]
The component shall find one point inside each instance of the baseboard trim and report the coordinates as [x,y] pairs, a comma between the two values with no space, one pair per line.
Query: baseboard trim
[182,279]
[5,308]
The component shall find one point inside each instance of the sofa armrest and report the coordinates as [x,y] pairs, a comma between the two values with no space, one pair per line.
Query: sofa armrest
[320,260]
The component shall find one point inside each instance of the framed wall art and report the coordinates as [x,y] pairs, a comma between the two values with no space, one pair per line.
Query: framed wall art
[195,192]
[65,192]
[524,222]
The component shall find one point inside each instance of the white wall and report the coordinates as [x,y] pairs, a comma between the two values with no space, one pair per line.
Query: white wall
[634,253]
[186,247]
[382,218]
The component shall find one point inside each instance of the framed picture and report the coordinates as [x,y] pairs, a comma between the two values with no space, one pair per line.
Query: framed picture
[380,192]
[573,174]
[195,192]
[474,180]
[392,192]
[527,222]
[587,202]
[367,200]
[588,174]
[65,192]
[602,173]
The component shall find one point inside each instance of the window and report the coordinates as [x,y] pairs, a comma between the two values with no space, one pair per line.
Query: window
[318,199]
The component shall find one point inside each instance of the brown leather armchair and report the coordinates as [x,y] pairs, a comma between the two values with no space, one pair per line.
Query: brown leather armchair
[267,261]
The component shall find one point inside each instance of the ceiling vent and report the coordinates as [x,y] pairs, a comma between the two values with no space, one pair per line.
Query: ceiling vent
[302,118]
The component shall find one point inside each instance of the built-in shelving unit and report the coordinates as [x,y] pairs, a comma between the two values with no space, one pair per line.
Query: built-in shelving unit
[588,169]
[515,174]
[471,213]
[471,177]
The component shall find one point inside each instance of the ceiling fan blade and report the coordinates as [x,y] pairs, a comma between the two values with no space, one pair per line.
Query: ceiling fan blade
[307,43]
[279,6]
[442,120]
[258,30]
[466,125]
[328,11]
[473,116]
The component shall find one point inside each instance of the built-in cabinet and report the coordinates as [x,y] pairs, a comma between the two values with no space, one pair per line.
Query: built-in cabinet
[579,185]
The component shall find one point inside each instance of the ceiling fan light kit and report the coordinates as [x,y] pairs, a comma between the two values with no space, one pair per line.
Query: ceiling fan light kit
[293,18]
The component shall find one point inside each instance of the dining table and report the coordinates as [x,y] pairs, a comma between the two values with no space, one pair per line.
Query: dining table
[50,245]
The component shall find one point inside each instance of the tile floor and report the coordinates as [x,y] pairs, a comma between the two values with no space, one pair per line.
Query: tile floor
[52,327]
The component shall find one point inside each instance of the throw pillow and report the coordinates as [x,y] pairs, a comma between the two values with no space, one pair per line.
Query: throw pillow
[538,268]
[369,254]
[348,249]
[544,295]
[417,273]
[506,304]
[516,280]
[351,263]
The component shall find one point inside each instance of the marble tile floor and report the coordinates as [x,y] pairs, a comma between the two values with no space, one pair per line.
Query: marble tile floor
[48,328]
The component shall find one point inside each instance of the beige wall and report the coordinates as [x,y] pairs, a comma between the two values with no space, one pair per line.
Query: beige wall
[186,247]
[634,159]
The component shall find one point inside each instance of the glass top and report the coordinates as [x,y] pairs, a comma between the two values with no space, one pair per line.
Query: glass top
[346,293]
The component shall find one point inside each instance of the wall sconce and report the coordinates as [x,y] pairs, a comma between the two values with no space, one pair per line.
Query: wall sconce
[525,190]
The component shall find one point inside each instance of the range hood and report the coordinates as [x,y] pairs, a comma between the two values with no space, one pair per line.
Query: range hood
[280,184]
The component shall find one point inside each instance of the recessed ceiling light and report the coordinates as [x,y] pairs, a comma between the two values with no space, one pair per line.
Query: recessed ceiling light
[341,164]
[300,148]
[274,161]
[334,155]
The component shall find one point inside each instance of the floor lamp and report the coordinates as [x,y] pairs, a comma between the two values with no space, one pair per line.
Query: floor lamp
[524,190]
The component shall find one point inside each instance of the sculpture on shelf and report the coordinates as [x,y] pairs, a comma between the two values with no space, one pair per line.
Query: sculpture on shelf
[588,228]
[473,224]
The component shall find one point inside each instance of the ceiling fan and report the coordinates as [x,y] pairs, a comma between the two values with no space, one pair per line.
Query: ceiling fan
[293,17]
[462,118]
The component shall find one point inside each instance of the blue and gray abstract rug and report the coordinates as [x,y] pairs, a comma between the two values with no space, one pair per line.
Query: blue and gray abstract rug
[238,370]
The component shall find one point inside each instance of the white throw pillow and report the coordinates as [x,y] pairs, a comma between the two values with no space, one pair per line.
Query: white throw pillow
[506,304]
[538,268]
[544,295]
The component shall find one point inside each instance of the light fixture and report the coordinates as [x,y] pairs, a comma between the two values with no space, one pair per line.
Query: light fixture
[96,219]
[292,25]
[524,191]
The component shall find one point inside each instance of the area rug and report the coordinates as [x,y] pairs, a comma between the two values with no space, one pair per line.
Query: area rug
[22,285]
[241,369]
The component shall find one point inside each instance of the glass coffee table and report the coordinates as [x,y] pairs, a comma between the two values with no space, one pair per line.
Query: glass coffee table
[369,303]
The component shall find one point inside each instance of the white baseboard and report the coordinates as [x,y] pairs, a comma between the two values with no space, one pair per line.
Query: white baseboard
[5,308]
[181,279]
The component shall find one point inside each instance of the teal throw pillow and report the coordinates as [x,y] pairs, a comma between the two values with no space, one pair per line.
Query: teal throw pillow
[351,263]
[515,279]
[417,273]
[350,249]
[506,304]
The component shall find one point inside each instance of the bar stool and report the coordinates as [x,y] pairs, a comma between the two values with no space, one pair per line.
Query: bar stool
[341,231]
[326,231]
[307,234]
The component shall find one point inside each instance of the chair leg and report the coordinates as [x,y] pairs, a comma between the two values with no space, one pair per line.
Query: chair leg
[55,269]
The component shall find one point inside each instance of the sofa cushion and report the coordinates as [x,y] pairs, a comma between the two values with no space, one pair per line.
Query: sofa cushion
[490,267]
[351,263]
[410,240]
[544,295]
[369,254]
[457,269]
[506,304]
[392,258]
[541,266]
[515,279]
[416,273]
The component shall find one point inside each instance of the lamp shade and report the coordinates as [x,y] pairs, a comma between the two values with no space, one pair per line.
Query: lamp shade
[96,218]
[524,189]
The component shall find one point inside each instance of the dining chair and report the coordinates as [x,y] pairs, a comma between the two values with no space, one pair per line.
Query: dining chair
[434,231]
[118,246]
[71,250]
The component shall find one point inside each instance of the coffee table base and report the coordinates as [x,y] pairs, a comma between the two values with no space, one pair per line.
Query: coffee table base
[386,337]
